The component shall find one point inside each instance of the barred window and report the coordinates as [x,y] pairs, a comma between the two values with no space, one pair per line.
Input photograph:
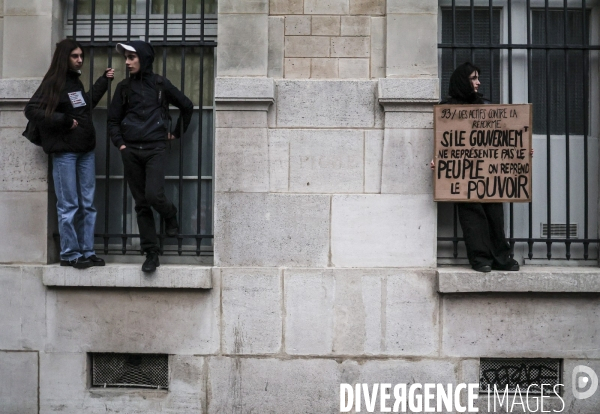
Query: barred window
[550,82]
[184,42]
[485,30]
[530,52]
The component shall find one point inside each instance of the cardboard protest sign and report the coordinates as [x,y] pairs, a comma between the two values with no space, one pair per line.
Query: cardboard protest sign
[482,153]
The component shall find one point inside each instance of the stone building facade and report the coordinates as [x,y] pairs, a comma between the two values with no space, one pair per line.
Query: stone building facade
[325,235]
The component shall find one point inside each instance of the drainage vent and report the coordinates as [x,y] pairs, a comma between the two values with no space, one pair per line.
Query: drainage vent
[130,370]
[559,230]
[520,373]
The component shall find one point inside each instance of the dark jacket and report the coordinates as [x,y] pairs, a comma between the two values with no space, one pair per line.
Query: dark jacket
[57,135]
[142,122]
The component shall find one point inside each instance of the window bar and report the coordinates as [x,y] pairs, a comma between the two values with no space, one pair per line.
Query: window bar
[548,160]
[200,129]
[183,25]
[124,224]
[128,20]
[75,19]
[453,33]
[164,73]
[585,127]
[490,50]
[181,140]
[510,101]
[529,99]
[202,33]
[472,31]
[455,229]
[542,46]
[567,161]
[147,34]
[510,55]
[165,32]
[91,58]
[107,161]
[124,235]
[454,206]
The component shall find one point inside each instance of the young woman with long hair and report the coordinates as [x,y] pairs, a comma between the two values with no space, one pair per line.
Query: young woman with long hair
[62,111]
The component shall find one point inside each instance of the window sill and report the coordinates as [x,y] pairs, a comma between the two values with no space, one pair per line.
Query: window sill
[129,276]
[542,279]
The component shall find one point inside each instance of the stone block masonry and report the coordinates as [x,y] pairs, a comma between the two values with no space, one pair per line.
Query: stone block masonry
[324,236]
[281,339]
[329,39]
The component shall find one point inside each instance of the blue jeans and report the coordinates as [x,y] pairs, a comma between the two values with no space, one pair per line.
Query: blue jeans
[75,184]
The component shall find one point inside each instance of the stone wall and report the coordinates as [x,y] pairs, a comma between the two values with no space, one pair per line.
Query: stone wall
[275,339]
[325,236]
[341,39]
[345,158]
[26,29]
[24,183]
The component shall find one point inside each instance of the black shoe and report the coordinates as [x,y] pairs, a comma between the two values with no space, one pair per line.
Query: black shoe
[171,226]
[512,266]
[151,262]
[79,263]
[483,268]
[96,261]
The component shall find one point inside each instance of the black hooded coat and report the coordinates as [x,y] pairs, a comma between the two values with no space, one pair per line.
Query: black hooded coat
[482,223]
[142,122]
[55,130]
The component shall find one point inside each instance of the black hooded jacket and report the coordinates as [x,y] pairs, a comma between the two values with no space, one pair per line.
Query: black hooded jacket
[460,90]
[142,122]
[57,135]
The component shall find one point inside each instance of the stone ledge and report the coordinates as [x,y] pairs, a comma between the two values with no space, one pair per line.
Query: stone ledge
[540,279]
[395,91]
[251,90]
[129,276]
[18,90]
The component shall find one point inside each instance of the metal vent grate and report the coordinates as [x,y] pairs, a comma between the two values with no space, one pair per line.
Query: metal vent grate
[130,370]
[559,230]
[521,372]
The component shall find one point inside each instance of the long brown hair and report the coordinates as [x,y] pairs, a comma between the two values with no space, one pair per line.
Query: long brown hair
[55,78]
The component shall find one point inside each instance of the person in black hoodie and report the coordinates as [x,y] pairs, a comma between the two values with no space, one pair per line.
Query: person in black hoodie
[62,111]
[138,124]
[482,223]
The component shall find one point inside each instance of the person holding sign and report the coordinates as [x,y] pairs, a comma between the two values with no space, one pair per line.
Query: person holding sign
[62,111]
[482,223]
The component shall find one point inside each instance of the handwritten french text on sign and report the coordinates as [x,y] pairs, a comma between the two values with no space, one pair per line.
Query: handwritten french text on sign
[482,153]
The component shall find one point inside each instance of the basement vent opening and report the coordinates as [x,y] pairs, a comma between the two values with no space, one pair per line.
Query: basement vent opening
[520,373]
[559,230]
[130,370]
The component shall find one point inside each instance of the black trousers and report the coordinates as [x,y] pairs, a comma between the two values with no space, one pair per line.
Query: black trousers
[483,229]
[145,175]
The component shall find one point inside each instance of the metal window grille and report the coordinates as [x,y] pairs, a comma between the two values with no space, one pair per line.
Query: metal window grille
[130,370]
[521,373]
[530,52]
[183,34]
